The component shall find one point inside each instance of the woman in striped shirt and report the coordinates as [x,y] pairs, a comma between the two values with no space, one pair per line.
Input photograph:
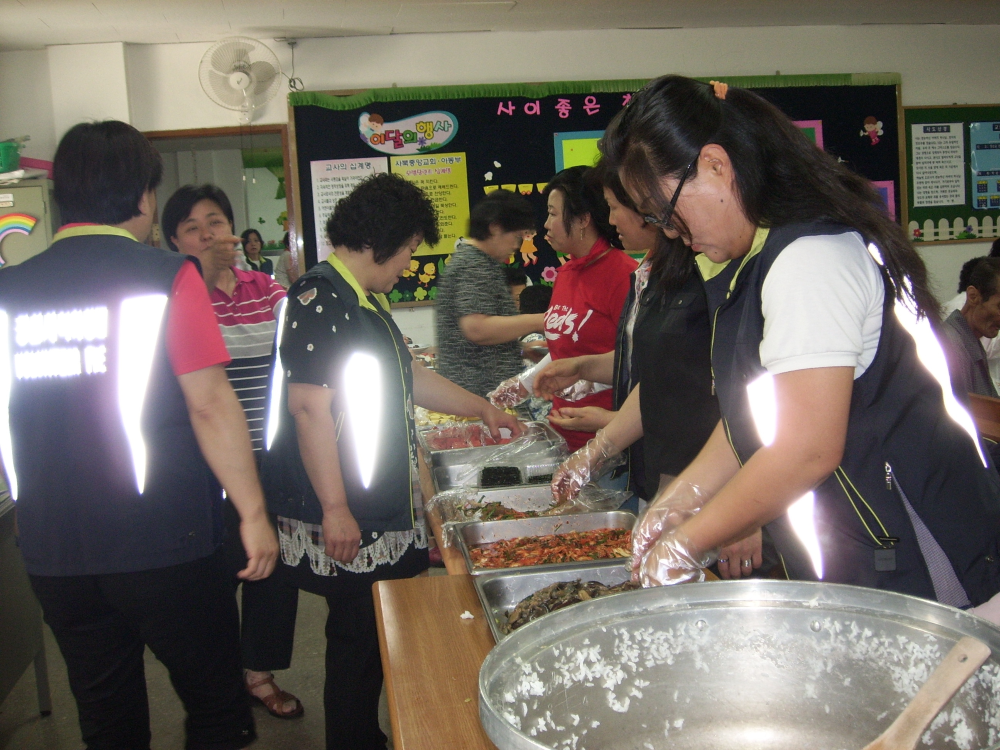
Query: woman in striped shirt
[198,221]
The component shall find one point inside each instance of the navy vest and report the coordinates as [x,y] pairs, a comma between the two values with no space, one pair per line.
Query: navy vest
[387,503]
[76,429]
[899,437]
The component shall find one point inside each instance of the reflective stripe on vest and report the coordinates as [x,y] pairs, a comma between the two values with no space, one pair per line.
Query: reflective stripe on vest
[931,356]
[136,350]
[277,380]
[6,443]
[72,343]
[363,392]
[764,409]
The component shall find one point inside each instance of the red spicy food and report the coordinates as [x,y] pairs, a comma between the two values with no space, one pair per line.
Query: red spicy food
[461,436]
[573,546]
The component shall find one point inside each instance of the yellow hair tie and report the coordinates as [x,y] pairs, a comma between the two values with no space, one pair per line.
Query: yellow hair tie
[720,88]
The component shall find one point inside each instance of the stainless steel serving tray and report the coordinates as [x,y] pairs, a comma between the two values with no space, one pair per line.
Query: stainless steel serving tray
[500,591]
[469,456]
[756,665]
[474,533]
[526,499]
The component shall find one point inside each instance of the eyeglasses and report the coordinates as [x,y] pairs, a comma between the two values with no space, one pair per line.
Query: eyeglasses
[665,222]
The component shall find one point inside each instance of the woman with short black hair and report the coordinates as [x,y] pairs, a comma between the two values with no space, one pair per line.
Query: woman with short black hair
[834,431]
[590,288]
[341,468]
[253,246]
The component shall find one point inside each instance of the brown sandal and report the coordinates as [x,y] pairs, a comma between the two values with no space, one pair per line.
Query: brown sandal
[276,699]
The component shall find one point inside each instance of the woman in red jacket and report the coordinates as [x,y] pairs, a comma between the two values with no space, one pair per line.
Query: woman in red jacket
[590,289]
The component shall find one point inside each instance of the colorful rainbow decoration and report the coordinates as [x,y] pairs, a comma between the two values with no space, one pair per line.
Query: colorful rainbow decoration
[16,224]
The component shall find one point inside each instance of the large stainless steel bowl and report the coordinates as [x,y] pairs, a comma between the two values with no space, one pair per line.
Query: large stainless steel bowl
[752,665]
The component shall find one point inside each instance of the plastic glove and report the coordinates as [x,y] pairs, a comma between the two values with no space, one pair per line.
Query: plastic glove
[596,457]
[672,506]
[518,389]
[989,611]
[508,394]
[674,559]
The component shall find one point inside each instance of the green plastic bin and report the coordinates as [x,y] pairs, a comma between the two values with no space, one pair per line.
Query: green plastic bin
[10,156]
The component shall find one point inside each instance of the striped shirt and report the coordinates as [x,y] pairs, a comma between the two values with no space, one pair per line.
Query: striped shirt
[247,322]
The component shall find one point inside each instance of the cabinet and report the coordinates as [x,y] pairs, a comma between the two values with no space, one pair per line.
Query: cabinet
[28,219]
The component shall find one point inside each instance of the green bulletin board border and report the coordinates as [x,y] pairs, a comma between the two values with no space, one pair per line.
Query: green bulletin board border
[335,100]
[423,93]
[964,113]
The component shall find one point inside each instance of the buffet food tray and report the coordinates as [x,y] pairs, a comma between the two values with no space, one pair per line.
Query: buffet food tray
[500,591]
[474,455]
[475,533]
[526,499]
[535,468]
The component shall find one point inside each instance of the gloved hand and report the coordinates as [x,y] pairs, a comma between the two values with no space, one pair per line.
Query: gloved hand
[672,506]
[517,389]
[592,460]
[989,611]
[675,559]
[508,394]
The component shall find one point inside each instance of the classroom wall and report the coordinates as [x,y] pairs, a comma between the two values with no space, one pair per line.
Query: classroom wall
[938,64]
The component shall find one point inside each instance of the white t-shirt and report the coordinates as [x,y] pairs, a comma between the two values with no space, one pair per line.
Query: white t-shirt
[822,303]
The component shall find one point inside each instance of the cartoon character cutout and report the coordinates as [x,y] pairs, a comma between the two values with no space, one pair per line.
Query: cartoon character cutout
[528,250]
[369,124]
[873,129]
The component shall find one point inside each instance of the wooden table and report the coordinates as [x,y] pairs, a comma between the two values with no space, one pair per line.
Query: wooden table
[431,659]
[454,563]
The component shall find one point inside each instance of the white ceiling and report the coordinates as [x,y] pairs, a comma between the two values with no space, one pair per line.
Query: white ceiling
[27,24]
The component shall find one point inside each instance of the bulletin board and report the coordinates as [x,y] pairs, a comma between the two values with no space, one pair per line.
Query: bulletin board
[461,142]
[953,170]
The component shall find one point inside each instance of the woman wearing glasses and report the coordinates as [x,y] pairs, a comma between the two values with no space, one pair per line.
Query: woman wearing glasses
[663,348]
[835,432]
[591,287]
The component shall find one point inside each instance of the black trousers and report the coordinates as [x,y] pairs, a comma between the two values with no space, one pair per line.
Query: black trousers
[187,616]
[353,675]
[267,628]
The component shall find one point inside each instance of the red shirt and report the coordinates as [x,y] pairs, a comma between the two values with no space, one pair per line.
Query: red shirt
[193,338]
[587,301]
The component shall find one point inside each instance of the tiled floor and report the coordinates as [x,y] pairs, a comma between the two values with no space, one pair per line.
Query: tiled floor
[21,728]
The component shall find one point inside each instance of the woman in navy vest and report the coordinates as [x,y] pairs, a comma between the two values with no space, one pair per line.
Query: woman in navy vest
[340,471]
[838,430]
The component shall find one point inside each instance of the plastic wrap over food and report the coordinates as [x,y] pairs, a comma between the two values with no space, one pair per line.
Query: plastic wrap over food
[528,459]
[459,435]
[471,504]
[466,504]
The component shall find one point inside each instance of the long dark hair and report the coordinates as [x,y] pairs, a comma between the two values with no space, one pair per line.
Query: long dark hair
[583,194]
[780,176]
[671,262]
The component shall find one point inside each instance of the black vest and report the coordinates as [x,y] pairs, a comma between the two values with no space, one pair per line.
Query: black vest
[899,437]
[79,509]
[670,358]
[387,503]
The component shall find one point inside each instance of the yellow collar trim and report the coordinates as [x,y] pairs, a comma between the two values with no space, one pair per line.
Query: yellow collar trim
[93,229]
[759,238]
[338,264]
[707,267]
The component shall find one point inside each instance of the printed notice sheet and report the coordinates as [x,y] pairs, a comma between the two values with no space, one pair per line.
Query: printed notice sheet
[333,179]
[444,178]
[984,145]
[938,164]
